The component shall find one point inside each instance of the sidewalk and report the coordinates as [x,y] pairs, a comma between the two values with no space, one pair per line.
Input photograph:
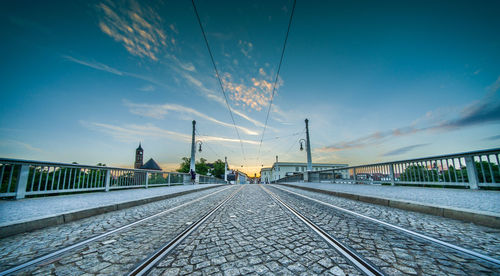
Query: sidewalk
[18,216]
[477,206]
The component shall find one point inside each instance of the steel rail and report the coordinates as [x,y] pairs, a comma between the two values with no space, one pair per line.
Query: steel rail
[355,258]
[404,230]
[98,237]
[146,265]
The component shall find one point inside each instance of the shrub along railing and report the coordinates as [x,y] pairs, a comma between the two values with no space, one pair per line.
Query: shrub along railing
[474,170]
[20,178]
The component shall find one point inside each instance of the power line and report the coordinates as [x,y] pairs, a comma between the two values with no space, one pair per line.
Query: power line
[294,143]
[303,131]
[218,76]
[208,145]
[277,75]
[284,136]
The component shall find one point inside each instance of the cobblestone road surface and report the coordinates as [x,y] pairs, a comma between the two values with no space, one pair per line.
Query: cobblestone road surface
[252,234]
[115,251]
[481,239]
[394,252]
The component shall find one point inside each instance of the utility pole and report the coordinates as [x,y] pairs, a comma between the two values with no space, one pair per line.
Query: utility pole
[225,169]
[193,149]
[308,148]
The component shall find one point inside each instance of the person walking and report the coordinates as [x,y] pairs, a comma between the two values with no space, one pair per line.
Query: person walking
[193,176]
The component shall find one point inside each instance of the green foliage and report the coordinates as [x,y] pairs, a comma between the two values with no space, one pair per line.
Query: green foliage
[184,168]
[218,170]
[422,174]
[202,167]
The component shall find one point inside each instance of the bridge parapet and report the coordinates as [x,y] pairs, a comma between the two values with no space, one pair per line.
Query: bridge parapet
[21,178]
[474,170]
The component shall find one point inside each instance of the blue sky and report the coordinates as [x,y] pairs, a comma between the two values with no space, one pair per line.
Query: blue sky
[85,81]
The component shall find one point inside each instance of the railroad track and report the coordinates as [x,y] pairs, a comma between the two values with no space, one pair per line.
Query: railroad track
[400,229]
[354,257]
[146,265]
[74,247]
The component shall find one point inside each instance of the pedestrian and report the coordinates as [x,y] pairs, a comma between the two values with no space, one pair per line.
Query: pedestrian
[193,176]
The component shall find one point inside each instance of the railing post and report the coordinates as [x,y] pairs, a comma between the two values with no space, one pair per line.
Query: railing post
[108,178]
[147,180]
[22,181]
[168,179]
[472,173]
[354,175]
[391,172]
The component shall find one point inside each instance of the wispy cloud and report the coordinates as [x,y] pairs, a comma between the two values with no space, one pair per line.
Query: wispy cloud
[95,65]
[485,111]
[404,150]
[245,48]
[215,96]
[158,111]
[133,133]
[147,88]
[256,94]
[103,67]
[136,26]
[18,144]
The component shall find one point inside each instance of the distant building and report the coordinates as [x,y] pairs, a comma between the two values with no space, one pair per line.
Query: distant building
[151,165]
[139,157]
[265,175]
[282,169]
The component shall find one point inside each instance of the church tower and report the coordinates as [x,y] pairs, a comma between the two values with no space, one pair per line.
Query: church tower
[139,155]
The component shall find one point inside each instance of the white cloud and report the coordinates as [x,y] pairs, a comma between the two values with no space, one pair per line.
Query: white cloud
[137,27]
[14,143]
[133,133]
[159,111]
[109,69]
[95,65]
[148,88]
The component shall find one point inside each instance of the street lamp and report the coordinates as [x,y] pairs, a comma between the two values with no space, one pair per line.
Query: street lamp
[199,142]
[300,141]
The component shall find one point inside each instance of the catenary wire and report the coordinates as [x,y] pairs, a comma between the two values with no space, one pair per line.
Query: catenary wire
[218,77]
[277,76]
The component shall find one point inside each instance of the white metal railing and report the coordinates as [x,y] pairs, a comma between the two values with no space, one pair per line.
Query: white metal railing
[21,178]
[475,169]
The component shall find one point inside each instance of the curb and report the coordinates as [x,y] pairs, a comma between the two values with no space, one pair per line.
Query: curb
[21,227]
[485,219]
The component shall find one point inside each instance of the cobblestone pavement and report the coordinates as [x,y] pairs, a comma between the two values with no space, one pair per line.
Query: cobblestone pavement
[253,235]
[481,239]
[394,252]
[20,248]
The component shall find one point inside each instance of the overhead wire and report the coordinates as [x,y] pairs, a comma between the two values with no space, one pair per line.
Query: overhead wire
[208,144]
[218,77]
[277,76]
[303,131]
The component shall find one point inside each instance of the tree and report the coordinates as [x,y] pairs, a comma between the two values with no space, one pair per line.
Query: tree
[202,167]
[184,168]
[218,170]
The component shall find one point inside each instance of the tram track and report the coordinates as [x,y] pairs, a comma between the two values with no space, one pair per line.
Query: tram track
[147,264]
[46,258]
[391,248]
[401,229]
[354,257]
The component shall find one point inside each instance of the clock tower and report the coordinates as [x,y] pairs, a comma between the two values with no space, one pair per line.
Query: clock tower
[139,156]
